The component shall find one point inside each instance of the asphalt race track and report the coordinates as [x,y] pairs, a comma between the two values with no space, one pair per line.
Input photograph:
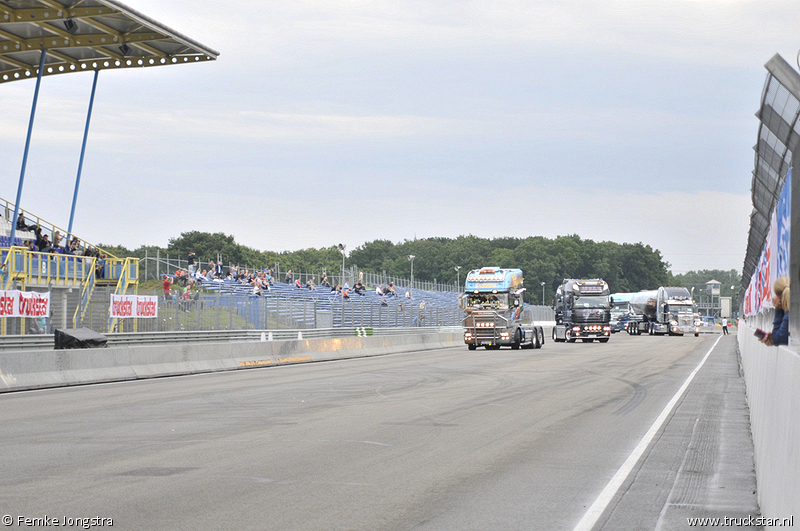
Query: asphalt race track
[435,440]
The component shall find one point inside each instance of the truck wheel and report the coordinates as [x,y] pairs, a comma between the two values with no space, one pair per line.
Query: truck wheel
[540,335]
[569,337]
[555,339]
[517,340]
[472,346]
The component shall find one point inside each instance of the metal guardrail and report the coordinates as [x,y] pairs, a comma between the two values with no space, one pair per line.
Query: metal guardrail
[46,341]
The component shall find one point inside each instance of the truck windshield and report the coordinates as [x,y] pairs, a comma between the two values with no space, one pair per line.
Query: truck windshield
[487,301]
[591,301]
[680,308]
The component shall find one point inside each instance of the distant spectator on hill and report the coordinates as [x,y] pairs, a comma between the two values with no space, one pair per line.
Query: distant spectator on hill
[166,285]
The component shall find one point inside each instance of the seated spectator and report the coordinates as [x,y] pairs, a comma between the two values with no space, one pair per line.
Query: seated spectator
[346,285]
[780,324]
[408,294]
[44,245]
[379,290]
[298,284]
[30,246]
[289,277]
[359,288]
[57,240]
[75,247]
[337,289]
[209,274]
[390,291]
[310,284]
[346,293]
[21,225]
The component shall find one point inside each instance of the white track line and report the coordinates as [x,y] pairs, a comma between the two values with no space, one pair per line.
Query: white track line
[601,503]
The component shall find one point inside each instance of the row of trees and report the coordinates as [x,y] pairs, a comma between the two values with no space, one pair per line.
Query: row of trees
[626,267]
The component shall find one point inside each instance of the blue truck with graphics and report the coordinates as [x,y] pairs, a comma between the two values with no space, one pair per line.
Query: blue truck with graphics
[496,315]
[583,311]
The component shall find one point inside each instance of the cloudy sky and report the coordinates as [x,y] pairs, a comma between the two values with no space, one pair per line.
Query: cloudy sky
[348,121]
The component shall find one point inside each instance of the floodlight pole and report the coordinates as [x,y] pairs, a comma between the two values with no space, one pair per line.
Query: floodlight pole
[83,152]
[27,148]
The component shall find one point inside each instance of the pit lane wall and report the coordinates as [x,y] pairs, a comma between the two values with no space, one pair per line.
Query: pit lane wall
[36,369]
[772,378]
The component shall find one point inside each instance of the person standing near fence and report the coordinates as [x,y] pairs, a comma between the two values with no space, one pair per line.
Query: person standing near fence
[190,262]
[724,326]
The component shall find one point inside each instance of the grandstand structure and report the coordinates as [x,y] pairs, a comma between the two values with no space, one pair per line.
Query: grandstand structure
[40,38]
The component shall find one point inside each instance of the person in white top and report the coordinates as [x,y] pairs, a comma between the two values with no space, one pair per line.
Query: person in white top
[724,326]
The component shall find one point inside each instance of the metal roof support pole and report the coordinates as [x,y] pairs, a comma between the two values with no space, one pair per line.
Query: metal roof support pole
[83,152]
[27,147]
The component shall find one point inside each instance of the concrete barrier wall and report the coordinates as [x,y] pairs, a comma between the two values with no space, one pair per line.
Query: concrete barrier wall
[772,377]
[34,369]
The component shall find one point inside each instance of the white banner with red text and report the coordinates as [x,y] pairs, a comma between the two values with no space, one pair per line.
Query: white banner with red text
[133,306]
[15,303]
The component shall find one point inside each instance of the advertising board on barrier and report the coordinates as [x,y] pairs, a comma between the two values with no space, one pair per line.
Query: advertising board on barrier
[15,303]
[133,306]
[774,262]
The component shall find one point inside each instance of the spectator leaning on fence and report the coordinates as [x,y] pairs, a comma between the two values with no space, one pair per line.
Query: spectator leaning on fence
[780,324]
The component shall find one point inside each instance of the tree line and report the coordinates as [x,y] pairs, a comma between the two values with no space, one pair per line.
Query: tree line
[626,267]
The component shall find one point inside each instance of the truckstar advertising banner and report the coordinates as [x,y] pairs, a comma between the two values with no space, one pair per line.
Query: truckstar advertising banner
[134,306]
[774,262]
[15,303]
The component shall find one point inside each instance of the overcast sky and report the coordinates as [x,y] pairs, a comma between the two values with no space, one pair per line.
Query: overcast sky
[348,121]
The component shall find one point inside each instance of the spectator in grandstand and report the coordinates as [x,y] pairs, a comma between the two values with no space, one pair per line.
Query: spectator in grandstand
[379,290]
[57,240]
[346,293]
[30,246]
[209,274]
[323,281]
[233,271]
[780,323]
[346,285]
[21,225]
[359,288]
[337,289]
[390,291]
[289,277]
[190,262]
[218,270]
[298,284]
[75,247]
[212,266]
[100,266]
[310,284]
[44,245]
[408,294]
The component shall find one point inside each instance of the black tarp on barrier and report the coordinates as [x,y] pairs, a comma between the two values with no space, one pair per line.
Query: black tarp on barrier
[79,338]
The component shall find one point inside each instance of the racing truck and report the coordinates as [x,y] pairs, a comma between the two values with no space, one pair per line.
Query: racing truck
[667,310]
[495,313]
[583,311]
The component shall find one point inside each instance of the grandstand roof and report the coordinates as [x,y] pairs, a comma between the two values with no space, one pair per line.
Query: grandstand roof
[84,35]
